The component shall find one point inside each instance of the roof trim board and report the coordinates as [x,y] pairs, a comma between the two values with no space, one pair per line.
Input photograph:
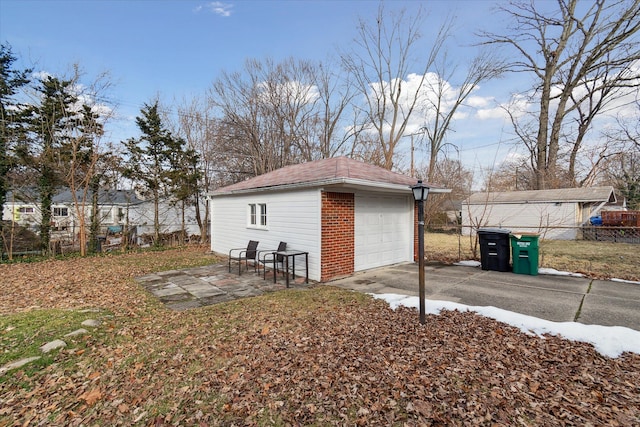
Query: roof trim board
[562,195]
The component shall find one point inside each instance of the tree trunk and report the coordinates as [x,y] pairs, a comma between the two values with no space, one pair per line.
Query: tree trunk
[94,227]
[156,217]
[46,200]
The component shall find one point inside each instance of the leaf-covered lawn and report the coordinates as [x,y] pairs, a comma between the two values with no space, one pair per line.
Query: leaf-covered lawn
[321,356]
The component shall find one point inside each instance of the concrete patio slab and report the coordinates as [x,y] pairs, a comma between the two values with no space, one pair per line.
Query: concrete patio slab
[208,285]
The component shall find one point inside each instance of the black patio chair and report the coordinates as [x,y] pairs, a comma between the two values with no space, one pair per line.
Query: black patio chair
[244,254]
[265,258]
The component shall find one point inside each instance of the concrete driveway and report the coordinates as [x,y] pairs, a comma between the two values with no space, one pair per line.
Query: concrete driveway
[555,298]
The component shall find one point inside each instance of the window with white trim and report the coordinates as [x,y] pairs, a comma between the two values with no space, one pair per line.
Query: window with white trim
[60,212]
[105,215]
[26,210]
[258,215]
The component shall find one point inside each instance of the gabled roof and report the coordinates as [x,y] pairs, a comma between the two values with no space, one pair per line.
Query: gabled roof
[336,170]
[105,197]
[63,197]
[590,194]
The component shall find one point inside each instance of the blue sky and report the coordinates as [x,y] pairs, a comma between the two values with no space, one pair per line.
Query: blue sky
[175,49]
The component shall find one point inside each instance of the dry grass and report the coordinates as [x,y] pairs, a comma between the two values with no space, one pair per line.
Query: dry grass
[597,259]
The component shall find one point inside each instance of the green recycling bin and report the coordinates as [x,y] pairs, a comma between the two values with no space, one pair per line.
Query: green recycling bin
[524,251]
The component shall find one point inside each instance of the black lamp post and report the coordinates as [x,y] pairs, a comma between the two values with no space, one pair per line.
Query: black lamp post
[420,193]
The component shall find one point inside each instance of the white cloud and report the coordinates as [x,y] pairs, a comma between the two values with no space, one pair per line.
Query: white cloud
[217,7]
[41,75]
[517,106]
[479,101]
[492,113]
[289,92]
[514,158]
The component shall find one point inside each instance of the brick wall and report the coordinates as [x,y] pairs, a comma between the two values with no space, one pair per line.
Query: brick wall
[338,235]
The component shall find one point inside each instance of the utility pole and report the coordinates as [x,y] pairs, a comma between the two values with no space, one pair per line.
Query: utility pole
[412,169]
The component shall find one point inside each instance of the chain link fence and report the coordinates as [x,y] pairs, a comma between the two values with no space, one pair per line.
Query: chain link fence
[603,233]
[596,251]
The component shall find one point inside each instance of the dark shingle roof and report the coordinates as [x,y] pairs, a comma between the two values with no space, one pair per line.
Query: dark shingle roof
[105,197]
[321,172]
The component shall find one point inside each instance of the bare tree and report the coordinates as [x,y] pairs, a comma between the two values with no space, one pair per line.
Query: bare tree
[621,168]
[379,64]
[367,149]
[334,97]
[276,113]
[457,178]
[513,175]
[582,57]
[82,150]
[442,100]
[199,128]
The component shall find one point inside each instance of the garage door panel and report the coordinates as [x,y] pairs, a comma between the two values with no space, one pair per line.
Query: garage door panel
[383,231]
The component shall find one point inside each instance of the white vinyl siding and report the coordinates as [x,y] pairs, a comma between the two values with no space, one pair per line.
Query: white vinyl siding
[292,218]
[528,217]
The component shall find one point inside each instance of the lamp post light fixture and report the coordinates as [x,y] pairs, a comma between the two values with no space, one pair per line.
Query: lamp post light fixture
[420,194]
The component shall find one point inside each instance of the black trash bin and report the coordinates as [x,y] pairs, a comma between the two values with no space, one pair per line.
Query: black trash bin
[495,250]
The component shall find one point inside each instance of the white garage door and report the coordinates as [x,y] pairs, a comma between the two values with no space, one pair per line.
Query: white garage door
[383,231]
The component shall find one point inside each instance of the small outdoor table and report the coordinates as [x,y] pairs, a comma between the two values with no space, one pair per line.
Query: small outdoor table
[285,257]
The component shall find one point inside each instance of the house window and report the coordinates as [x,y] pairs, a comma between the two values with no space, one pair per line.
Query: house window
[26,210]
[258,215]
[105,215]
[263,214]
[60,212]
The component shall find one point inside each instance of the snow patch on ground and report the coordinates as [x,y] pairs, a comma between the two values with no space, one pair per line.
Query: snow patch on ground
[554,272]
[610,341]
[625,281]
[468,263]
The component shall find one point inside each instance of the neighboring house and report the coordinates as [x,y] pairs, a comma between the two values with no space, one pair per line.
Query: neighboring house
[169,217]
[117,208]
[348,215]
[452,209]
[556,214]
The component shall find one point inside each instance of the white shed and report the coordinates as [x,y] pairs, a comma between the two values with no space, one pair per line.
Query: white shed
[556,214]
[348,215]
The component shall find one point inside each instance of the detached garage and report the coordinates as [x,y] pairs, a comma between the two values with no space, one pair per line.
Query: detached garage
[348,215]
[556,214]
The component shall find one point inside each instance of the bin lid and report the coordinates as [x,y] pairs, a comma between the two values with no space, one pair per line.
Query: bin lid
[494,230]
[519,234]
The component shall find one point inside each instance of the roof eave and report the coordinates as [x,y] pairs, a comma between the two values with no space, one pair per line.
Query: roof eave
[348,182]
[610,198]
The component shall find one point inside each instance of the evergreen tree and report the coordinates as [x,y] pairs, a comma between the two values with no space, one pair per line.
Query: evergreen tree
[150,157]
[184,177]
[10,118]
[51,125]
